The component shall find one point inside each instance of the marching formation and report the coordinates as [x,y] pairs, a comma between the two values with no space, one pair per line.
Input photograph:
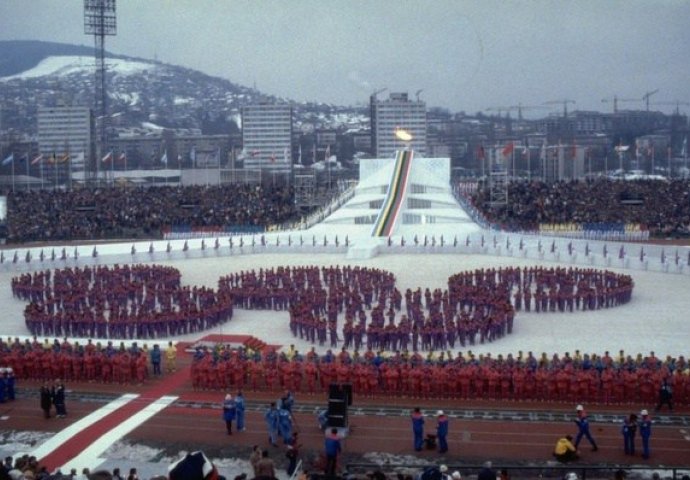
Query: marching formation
[123,301]
[145,302]
[477,307]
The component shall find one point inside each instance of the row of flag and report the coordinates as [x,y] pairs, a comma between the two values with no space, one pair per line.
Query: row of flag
[50,159]
[108,158]
[509,149]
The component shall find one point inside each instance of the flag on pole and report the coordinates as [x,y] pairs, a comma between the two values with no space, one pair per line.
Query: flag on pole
[108,157]
[542,153]
[164,158]
[480,152]
[38,159]
[508,149]
[122,157]
[51,159]
[64,158]
[9,159]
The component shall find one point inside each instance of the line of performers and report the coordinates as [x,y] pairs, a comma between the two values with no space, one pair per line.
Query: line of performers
[89,362]
[603,378]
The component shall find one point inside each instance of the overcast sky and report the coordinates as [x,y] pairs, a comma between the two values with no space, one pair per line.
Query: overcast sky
[464,54]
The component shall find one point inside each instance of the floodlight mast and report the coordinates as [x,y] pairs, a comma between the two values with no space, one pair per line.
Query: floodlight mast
[99,20]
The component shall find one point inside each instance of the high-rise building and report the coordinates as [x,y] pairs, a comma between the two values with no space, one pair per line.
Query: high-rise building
[398,112]
[66,131]
[267,136]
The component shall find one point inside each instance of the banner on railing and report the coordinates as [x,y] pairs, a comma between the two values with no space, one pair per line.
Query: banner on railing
[596,230]
[180,232]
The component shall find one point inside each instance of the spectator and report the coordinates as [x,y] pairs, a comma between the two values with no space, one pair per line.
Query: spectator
[265,467]
[487,472]
[332,450]
[254,458]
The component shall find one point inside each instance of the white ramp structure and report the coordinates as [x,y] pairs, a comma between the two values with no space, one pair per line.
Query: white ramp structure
[402,196]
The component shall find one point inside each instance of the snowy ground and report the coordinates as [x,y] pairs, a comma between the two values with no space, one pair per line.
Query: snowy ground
[654,320]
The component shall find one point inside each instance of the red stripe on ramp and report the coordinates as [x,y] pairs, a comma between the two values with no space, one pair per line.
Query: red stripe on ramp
[75,445]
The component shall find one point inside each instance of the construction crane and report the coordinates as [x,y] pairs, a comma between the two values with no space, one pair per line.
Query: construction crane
[677,103]
[417,93]
[565,103]
[646,96]
[615,100]
[499,110]
[376,92]
[520,107]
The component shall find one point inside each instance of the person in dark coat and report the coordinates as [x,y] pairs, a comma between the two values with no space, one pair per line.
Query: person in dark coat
[418,429]
[229,411]
[486,473]
[442,432]
[665,396]
[156,356]
[46,399]
[292,454]
[239,410]
[59,399]
[629,429]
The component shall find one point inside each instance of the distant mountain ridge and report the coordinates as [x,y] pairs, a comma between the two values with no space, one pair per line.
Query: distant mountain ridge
[140,91]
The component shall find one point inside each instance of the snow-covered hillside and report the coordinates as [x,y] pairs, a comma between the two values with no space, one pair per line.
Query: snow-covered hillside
[62,66]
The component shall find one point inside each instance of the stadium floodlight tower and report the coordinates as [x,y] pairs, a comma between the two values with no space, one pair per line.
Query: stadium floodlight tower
[99,20]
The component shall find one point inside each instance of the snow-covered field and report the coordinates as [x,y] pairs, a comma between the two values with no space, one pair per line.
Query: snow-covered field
[654,320]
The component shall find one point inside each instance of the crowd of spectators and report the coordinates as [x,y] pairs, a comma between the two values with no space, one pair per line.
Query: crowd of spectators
[106,213]
[663,206]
